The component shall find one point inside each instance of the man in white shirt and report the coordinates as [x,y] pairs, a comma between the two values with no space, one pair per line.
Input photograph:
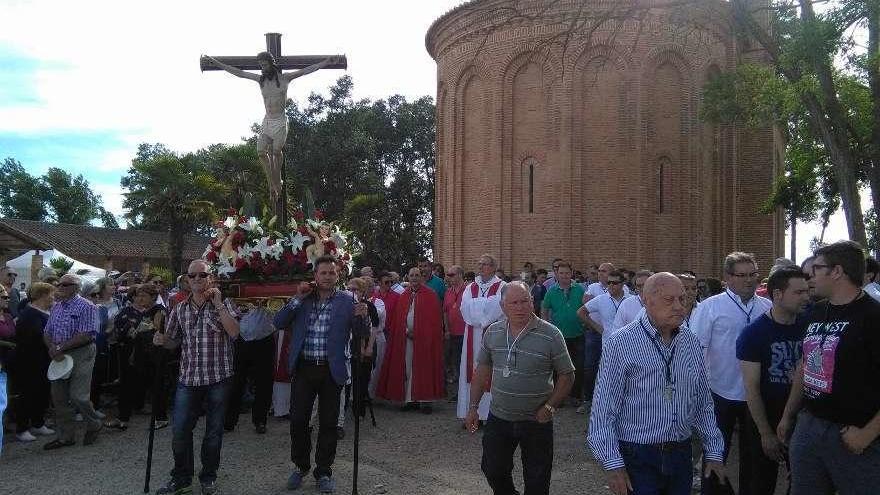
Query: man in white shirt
[598,314]
[601,287]
[872,270]
[480,307]
[717,322]
[631,307]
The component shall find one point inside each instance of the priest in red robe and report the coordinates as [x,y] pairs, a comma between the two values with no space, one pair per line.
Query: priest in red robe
[412,372]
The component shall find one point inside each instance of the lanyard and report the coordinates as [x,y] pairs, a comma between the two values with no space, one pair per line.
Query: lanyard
[670,380]
[741,307]
[616,304]
[511,348]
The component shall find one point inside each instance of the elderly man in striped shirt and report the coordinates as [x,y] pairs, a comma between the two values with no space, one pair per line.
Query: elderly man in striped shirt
[652,391]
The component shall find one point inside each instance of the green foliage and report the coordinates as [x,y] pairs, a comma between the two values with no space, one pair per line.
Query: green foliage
[167,277]
[61,265]
[23,194]
[172,193]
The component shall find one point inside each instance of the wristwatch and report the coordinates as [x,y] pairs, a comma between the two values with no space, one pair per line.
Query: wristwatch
[550,408]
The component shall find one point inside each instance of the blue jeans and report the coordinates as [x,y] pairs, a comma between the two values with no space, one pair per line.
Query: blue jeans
[188,403]
[654,470]
[2,404]
[592,355]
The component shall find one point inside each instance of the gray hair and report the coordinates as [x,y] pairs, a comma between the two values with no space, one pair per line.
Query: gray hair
[515,283]
[491,259]
[103,282]
[643,273]
[737,257]
[457,269]
[87,288]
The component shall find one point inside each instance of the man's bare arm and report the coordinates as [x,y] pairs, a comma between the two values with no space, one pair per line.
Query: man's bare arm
[235,71]
[290,76]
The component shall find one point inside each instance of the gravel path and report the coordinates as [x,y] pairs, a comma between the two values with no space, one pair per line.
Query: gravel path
[408,453]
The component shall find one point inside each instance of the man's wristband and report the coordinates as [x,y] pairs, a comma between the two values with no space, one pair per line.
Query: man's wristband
[475,405]
[550,408]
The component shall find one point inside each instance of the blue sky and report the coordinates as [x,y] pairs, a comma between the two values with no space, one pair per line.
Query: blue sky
[83,83]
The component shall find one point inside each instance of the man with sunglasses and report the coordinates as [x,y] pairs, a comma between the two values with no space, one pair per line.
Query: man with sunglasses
[835,446]
[204,326]
[718,323]
[71,331]
[598,315]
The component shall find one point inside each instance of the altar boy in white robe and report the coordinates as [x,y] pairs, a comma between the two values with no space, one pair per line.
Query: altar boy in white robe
[480,307]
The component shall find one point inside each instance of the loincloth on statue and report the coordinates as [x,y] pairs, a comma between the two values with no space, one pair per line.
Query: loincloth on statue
[274,128]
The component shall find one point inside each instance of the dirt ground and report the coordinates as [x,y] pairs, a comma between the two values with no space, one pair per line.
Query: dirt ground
[407,453]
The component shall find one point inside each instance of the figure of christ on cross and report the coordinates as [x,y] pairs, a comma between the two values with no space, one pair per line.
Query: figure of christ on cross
[273,133]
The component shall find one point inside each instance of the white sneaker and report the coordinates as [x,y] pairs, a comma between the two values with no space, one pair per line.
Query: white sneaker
[100,415]
[25,437]
[42,431]
[581,409]
[78,418]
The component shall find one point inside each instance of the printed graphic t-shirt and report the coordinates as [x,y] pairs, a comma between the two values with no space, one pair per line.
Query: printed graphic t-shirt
[778,348]
[841,353]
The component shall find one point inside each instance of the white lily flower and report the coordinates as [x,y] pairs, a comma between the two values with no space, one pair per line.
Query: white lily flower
[338,238]
[297,240]
[252,225]
[230,223]
[224,267]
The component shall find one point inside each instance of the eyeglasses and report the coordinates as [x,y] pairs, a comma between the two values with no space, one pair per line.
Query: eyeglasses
[745,275]
[819,265]
[67,284]
[615,282]
[94,294]
[199,275]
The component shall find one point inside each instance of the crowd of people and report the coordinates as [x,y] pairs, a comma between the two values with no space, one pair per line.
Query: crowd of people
[790,362]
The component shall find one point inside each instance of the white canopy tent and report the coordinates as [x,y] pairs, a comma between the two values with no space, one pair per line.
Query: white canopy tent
[22,266]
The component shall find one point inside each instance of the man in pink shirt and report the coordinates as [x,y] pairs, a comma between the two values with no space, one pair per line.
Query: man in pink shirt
[453,323]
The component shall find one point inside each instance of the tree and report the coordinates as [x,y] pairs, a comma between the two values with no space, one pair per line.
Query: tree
[170,193]
[23,194]
[71,200]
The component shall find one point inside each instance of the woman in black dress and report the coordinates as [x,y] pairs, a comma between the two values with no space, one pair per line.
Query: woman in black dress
[31,363]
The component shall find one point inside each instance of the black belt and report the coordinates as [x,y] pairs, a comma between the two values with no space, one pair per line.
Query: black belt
[314,362]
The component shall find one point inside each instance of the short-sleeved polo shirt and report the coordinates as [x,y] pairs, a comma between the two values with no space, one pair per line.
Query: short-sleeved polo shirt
[538,353]
[563,306]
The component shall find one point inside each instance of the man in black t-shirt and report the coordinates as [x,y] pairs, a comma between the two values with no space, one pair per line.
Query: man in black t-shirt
[835,446]
[768,350]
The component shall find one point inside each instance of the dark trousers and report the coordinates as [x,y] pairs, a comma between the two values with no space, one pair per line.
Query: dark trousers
[132,383]
[658,470]
[575,347]
[592,355]
[453,355]
[33,397]
[255,360]
[309,382]
[100,375]
[535,440]
[729,413]
[164,372]
[188,404]
[762,470]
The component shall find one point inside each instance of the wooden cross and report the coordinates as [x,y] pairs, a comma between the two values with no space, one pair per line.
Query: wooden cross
[284,62]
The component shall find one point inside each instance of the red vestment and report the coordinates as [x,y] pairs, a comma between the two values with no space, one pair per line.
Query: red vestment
[427,354]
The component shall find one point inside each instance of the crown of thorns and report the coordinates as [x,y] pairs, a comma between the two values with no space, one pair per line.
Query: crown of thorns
[267,57]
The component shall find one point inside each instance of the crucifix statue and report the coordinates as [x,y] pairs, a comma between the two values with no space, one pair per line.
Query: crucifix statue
[273,85]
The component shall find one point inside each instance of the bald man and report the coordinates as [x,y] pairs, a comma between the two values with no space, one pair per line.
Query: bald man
[652,374]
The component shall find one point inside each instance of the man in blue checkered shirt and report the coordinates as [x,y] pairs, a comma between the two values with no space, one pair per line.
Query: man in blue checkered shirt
[321,319]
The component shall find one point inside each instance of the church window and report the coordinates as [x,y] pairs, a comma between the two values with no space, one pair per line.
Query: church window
[662,184]
[528,177]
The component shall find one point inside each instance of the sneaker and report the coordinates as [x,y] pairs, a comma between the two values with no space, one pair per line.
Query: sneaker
[25,436]
[174,488]
[78,418]
[581,409]
[210,488]
[160,423]
[296,479]
[100,415]
[42,431]
[326,484]
[116,424]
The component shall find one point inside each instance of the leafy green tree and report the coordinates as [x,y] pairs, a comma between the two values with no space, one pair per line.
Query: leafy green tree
[171,193]
[23,194]
[71,199]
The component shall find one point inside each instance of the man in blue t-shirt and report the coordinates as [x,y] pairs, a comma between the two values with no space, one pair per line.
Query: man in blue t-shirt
[768,350]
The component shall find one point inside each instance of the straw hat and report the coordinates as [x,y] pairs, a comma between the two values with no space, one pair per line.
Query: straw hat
[60,370]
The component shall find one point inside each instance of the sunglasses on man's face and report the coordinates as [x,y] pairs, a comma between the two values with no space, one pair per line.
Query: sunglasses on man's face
[199,275]
[615,282]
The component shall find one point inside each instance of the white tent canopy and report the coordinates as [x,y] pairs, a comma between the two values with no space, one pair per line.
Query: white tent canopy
[22,266]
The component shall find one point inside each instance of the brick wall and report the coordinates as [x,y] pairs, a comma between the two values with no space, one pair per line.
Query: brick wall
[594,152]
